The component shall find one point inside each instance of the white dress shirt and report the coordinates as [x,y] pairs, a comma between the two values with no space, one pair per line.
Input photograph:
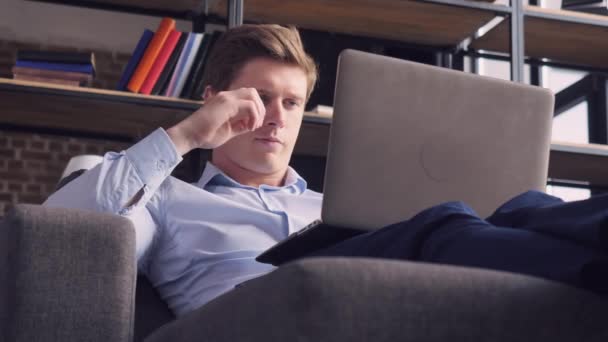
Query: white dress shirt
[194,241]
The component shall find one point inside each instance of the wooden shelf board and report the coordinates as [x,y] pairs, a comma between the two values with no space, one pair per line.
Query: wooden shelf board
[564,36]
[566,16]
[88,110]
[85,110]
[115,113]
[579,162]
[194,6]
[7,84]
[175,8]
[403,20]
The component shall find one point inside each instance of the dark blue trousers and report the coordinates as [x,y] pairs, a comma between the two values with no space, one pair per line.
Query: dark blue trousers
[533,233]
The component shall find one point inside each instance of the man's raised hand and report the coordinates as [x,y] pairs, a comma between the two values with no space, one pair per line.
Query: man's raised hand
[224,115]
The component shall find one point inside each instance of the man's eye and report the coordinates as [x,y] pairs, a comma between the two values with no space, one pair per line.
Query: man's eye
[291,103]
[265,99]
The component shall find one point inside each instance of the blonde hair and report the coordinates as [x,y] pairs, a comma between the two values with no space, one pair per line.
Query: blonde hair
[241,44]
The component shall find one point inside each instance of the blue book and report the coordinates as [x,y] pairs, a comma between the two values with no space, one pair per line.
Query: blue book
[145,39]
[82,68]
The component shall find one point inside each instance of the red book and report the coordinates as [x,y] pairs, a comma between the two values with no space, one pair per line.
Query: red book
[143,68]
[160,62]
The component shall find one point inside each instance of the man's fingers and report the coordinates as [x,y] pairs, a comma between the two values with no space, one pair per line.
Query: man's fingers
[261,109]
[247,108]
[253,95]
[247,114]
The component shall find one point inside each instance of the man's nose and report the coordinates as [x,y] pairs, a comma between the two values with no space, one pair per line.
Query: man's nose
[275,114]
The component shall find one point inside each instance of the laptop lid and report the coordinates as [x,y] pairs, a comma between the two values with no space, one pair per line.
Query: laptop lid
[407,136]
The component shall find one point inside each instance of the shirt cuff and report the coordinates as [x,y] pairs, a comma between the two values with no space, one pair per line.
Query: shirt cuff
[154,157]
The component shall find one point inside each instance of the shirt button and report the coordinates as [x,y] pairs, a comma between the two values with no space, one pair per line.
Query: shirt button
[161,165]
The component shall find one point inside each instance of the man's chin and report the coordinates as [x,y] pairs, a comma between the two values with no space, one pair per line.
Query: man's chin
[266,163]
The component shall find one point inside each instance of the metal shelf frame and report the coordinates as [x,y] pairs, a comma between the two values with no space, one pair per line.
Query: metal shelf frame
[198,16]
[515,13]
[235,13]
[517,41]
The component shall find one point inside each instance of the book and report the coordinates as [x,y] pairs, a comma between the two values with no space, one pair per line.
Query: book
[165,75]
[160,62]
[197,67]
[57,57]
[184,64]
[84,79]
[139,75]
[46,80]
[199,87]
[144,40]
[187,71]
[81,68]
[179,65]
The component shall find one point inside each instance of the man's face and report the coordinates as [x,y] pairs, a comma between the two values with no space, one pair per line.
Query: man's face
[282,88]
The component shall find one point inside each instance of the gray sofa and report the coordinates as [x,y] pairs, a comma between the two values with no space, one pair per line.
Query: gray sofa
[70,275]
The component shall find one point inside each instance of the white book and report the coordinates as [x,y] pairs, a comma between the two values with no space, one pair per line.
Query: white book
[184,64]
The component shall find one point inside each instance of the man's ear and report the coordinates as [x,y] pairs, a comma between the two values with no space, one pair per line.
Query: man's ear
[209,92]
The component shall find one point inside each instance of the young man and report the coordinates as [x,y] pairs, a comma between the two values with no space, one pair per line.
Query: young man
[197,241]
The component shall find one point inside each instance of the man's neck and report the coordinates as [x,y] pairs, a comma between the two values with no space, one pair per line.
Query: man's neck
[248,177]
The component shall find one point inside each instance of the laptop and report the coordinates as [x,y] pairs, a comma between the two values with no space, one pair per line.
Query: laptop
[407,136]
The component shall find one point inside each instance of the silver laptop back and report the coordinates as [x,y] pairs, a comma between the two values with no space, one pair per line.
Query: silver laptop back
[407,136]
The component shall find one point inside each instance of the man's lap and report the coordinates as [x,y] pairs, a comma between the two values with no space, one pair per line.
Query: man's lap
[533,233]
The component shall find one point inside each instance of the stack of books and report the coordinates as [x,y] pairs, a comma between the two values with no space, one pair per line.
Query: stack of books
[590,6]
[168,62]
[63,68]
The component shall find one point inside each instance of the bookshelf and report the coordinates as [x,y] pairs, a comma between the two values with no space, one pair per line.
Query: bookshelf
[418,22]
[97,111]
[448,25]
[565,36]
[562,35]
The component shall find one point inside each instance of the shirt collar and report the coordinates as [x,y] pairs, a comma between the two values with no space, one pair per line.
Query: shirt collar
[212,175]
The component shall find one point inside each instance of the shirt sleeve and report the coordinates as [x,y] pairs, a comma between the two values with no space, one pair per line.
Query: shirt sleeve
[124,183]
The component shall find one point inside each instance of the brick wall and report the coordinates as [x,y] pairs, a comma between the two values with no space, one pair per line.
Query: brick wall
[31,164]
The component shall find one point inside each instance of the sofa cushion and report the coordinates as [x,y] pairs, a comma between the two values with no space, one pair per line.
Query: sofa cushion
[348,299]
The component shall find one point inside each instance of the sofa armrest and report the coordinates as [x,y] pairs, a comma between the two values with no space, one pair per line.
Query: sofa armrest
[70,275]
[350,299]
